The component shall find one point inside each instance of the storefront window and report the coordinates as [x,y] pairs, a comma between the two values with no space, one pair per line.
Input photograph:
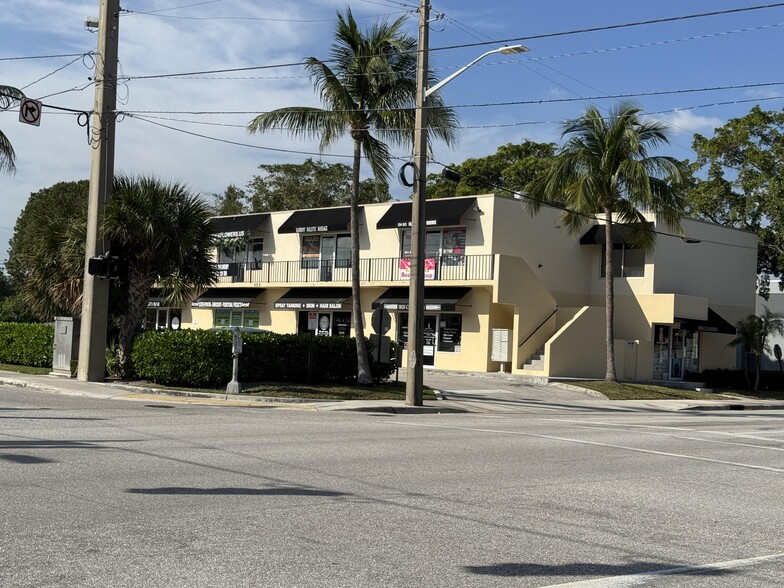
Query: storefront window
[450,331]
[311,251]
[241,251]
[162,318]
[343,252]
[454,246]
[324,323]
[626,262]
[226,318]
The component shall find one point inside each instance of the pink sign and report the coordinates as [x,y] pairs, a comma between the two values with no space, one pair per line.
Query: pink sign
[405,268]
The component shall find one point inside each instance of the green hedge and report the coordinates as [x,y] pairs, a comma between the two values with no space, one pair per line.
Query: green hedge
[28,344]
[198,358]
[735,379]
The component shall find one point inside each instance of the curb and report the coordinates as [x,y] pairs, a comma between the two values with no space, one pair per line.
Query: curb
[734,406]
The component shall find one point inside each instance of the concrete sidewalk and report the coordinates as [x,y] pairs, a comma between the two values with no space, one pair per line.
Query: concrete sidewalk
[447,384]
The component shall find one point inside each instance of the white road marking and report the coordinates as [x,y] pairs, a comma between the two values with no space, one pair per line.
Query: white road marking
[642,578]
[594,443]
[619,428]
[689,429]
[474,392]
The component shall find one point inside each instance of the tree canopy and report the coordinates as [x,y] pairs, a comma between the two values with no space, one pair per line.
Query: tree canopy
[159,231]
[743,186]
[290,186]
[508,170]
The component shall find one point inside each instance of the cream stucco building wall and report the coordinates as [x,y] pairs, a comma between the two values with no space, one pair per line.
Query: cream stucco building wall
[516,272]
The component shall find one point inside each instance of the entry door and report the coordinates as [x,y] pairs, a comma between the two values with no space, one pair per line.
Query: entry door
[676,355]
[327,258]
[429,340]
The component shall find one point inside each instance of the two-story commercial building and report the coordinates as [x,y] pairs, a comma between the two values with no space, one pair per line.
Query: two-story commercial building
[504,290]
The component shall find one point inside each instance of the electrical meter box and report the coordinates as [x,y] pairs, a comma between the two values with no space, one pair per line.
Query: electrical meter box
[66,346]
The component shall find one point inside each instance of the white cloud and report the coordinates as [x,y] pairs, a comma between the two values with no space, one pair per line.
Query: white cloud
[685,121]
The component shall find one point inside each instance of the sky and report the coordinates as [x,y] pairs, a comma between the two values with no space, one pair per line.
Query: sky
[693,72]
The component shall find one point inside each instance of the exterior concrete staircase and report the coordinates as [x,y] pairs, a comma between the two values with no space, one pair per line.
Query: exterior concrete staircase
[535,363]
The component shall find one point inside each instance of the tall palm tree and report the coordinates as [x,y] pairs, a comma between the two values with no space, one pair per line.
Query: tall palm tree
[752,333]
[161,234]
[368,88]
[8,97]
[605,167]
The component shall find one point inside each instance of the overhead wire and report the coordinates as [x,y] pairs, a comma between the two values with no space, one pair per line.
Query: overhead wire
[493,42]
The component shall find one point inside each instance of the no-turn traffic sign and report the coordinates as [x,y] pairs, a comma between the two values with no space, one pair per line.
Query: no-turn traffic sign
[30,112]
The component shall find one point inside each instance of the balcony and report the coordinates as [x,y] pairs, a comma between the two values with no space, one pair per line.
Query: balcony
[460,268]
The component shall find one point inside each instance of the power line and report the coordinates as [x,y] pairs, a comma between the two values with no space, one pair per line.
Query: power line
[495,125]
[494,42]
[510,103]
[42,56]
[612,27]
[229,142]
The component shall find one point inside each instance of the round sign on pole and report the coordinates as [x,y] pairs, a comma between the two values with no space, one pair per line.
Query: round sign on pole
[30,112]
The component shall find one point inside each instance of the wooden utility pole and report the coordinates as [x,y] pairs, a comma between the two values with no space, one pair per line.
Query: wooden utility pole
[95,297]
[416,296]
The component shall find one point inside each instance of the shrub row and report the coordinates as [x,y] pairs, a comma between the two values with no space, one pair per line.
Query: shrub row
[769,380]
[28,344]
[199,358]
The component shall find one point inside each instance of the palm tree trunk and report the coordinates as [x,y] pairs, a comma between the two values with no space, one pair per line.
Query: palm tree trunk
[132,320]
[609,298]
[364,375]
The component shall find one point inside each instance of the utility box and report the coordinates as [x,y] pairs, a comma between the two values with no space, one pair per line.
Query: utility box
[66,346]
[501,350]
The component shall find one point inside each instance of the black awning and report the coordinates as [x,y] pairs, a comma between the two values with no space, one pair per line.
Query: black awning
[317,220]
[237,226]
[226,298]
[314,298]
[156,298]
[596,234]
[436,298]
[715,324]
[438,213]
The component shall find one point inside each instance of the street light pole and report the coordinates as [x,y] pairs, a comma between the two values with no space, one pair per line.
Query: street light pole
[416,291]
[95,290]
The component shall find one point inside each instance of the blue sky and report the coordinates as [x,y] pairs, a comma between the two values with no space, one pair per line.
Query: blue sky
[503,99]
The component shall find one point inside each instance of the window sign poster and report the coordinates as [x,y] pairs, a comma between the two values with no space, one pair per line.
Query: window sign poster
[311,246]
[251,318]
[454,241]
[324,323]
[454,246]
[222,318]
[450,332]
[341,324]
[405,268]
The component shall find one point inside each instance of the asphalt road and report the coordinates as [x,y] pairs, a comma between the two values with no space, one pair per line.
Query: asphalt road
[100,492]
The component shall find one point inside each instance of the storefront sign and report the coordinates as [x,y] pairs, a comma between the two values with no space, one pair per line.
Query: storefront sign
[405,268]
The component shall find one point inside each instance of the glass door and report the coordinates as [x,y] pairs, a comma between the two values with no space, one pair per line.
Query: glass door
[327,258]
[677,355]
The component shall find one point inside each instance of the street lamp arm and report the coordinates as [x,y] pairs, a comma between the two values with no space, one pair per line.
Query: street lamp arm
[505,50]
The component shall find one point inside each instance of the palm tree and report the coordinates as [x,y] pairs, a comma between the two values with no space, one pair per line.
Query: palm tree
[161,235]
[752,333]
[368,87]
[46,253]
[8,97]
[605,167]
